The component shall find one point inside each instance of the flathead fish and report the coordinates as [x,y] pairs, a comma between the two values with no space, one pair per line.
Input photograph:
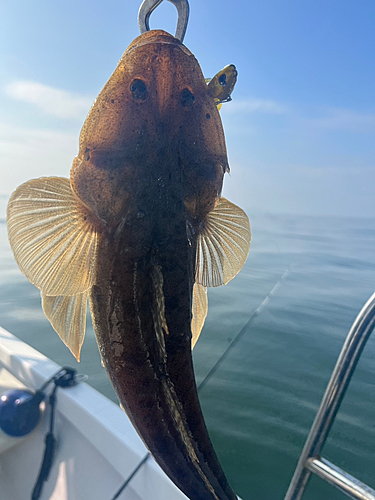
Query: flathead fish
[140,231]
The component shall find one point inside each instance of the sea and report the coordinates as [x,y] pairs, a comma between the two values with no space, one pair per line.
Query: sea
[265,355]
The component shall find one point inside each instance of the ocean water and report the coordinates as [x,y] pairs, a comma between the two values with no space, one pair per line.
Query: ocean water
[292,305]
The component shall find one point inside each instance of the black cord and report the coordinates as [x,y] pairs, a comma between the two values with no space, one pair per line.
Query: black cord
[49,450]
[66,377]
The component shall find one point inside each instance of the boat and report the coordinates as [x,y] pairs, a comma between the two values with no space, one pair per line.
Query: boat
[97,446]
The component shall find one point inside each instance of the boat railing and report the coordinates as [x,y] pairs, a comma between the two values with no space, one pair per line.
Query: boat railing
[310,461]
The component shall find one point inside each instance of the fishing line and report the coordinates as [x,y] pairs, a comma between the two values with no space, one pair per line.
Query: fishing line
[143,461]
[235,340]
[204,382]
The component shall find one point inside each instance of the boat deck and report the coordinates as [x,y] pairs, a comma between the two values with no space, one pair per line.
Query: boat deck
[97,449]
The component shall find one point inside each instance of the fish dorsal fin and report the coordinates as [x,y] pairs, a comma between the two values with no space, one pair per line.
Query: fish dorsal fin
[222,244]
[53,242]
[199,311]
[67,315]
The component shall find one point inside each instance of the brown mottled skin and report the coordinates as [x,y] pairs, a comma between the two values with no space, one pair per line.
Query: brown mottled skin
[150,167]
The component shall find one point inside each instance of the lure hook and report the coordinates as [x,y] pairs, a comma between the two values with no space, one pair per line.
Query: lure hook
[148,6]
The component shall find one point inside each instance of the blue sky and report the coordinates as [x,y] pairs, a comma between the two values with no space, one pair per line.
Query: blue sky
[301,127]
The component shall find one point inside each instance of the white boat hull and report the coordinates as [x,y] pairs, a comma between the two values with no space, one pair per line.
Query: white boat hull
[98,447]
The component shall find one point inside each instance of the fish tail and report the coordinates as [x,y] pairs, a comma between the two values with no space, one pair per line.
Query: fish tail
[184,410]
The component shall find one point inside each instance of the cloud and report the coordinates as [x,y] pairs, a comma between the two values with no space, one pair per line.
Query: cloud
[344,119]
[29,152]
[247,106]
[51,101]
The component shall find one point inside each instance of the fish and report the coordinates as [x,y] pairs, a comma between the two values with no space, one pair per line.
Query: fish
[140,231]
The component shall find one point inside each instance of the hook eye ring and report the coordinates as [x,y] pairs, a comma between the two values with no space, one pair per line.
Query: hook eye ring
[148,6]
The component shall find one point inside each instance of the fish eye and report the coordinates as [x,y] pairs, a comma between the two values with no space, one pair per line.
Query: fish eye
[138,89]
[187,98]
[223,79]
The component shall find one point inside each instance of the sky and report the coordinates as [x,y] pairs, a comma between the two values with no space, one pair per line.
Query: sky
[300,130]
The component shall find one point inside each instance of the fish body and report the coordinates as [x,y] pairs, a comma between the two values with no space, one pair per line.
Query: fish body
[140,231]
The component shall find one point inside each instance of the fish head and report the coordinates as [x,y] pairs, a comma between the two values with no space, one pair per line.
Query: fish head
[154,117]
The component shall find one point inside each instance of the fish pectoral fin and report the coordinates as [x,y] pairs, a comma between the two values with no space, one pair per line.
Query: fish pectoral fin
[222,244]
[199,311]
[52,239]
[67,315]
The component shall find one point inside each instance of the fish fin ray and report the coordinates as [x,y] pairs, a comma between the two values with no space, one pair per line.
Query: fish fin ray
[222,245]
[54,243]
[67,315]
[199,311]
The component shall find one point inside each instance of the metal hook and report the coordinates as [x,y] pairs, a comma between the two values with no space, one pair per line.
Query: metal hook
[148,6]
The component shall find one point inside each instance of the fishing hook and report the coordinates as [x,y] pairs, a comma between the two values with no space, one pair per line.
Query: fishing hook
[148,6]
